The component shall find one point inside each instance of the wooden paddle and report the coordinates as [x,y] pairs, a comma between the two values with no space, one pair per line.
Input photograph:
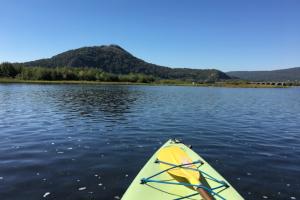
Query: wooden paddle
[175,155]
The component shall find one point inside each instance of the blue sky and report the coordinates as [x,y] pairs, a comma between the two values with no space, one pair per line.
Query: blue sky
[226,35]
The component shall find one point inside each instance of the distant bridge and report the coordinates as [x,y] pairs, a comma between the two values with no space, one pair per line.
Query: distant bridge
[269,83]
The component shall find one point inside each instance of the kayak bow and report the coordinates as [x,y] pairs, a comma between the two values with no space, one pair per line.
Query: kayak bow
[177,172]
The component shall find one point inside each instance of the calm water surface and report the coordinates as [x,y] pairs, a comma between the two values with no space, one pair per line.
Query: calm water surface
[89,141]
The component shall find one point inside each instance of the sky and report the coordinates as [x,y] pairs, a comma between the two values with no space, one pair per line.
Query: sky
[226,35]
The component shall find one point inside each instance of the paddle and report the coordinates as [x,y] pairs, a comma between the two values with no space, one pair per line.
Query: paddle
[175,155]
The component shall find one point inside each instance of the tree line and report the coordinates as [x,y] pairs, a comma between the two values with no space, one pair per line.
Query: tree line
[9,70]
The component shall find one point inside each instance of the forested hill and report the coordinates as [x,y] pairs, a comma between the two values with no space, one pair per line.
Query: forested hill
[114,59]
[291,74]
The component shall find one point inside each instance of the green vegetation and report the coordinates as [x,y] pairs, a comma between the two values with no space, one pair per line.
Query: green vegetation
[12,73]
[112,64]
[113,59]
[18,72]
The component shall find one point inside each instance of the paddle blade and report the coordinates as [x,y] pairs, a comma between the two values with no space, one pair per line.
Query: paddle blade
[177,156]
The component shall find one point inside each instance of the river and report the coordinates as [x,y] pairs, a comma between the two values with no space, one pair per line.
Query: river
[89,141]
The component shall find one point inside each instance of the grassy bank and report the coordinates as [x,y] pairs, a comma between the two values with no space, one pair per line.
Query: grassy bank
[161,82]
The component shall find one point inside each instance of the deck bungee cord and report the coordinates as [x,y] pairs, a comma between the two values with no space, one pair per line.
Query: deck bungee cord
[176,172]
[183,166]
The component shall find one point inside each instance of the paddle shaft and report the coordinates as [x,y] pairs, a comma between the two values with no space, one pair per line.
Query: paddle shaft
[204,194]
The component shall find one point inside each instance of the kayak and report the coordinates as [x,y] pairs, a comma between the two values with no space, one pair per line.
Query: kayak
[157,181]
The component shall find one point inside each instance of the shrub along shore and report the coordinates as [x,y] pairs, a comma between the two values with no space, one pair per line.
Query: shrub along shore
[10,73]
[8,70]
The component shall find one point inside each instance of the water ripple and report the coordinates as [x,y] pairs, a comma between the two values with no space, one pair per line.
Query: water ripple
[89,141]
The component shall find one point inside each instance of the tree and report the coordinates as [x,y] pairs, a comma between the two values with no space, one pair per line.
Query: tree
[8,70]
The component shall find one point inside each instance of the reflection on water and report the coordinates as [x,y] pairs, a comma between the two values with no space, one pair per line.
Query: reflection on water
[109,101]
[89,141]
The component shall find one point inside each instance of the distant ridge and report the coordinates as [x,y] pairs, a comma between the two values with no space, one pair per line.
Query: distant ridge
[114,59]
[291,74]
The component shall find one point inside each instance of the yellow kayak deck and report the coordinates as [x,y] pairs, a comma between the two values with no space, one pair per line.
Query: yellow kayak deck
[164,186]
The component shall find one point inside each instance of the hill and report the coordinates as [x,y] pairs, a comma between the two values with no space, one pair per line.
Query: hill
[114,59]
[291,74]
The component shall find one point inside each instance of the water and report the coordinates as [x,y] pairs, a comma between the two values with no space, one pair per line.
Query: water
[89,141]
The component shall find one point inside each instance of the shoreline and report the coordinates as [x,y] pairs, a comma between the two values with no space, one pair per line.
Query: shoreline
[218,84]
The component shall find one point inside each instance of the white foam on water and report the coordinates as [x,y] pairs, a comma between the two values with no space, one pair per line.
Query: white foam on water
[46,194]
[82,188]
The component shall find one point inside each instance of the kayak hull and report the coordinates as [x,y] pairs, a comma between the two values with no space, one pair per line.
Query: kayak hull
[157,190]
